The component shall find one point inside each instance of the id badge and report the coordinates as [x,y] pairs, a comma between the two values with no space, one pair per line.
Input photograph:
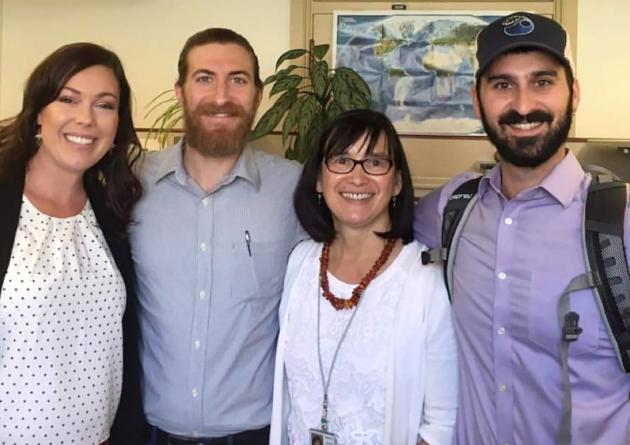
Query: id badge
[319,437]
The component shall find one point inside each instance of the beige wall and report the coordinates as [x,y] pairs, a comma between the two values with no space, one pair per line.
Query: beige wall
[146,34]
[604,68]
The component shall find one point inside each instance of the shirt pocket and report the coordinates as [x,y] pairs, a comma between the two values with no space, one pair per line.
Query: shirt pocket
[543,323]
[258,272]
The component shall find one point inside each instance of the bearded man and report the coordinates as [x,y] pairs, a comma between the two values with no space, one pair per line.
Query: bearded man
[210,246]
[519,249]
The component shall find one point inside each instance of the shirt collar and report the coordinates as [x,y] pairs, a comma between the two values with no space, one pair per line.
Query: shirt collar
[246,167]
[173,162]
[563,182]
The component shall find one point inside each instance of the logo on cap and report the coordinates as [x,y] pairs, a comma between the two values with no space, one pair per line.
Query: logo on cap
[518,25]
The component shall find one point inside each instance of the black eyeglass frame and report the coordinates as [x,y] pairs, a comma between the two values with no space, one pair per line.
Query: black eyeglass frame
[361,163]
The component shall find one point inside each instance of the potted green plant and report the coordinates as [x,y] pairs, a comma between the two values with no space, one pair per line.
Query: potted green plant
[309,98]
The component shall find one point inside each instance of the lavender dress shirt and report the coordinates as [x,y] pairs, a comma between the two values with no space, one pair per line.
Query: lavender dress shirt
[515,259]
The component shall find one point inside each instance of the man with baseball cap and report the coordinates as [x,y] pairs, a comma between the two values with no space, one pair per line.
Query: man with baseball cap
[519,248]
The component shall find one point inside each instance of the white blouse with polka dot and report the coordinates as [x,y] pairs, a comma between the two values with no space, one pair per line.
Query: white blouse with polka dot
[61,309]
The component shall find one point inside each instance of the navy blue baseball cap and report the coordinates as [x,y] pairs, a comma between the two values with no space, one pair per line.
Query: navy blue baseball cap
[521,30]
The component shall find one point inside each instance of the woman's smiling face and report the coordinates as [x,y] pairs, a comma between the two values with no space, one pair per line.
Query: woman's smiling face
[79,126]
[358,200]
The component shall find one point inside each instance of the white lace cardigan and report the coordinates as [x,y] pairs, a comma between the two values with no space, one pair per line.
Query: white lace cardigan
[421,399]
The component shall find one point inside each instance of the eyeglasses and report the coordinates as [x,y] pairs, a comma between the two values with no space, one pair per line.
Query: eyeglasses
[372,165]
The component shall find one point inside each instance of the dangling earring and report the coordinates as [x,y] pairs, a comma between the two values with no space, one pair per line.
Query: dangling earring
[319,198]
[38,136]
[394,201]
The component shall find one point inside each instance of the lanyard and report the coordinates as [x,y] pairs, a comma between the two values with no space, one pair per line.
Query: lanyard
[326,382]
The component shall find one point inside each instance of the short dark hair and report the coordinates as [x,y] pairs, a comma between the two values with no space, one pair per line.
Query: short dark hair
[215,35]
[114,170]
[526,49]
[336,139]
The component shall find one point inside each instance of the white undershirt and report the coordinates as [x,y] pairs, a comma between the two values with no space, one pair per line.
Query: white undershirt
[61,310]
[357,390]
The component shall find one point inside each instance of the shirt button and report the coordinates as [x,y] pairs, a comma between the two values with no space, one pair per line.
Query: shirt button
[502,276]
[203,247]
[508,221]
[502,387]
[204,201]
[197,344]
[501,330]
[202,294]
[194,392]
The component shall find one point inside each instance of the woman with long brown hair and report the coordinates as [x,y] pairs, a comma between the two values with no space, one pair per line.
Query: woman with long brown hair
[68,328]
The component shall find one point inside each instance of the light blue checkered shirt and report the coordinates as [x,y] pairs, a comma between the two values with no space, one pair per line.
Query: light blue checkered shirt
[208,308]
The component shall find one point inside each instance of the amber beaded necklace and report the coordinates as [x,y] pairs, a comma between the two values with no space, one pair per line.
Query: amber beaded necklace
[339,303]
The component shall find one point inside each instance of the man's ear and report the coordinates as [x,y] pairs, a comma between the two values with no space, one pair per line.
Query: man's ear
[258,98]
[178,93]
[475,101]
[576,95]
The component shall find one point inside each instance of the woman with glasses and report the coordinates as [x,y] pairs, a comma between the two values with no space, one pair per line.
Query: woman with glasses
[366,352]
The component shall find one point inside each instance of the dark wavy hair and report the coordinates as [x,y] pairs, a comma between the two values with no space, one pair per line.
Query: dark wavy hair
[336,139]
[216,35]
[114,171]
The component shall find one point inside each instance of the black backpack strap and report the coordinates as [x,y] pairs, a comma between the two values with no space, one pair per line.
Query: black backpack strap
[455,207]
[607,275]
[605,251]
[455,214]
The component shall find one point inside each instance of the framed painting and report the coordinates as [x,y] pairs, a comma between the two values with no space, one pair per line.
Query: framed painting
[420,66]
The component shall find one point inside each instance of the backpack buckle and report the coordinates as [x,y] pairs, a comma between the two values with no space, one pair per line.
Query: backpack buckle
[571,329]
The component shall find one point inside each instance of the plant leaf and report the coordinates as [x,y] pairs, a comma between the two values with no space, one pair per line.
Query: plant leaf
[334,110]
[159,96]
[354,81]
[287,83]
[319,78]
[320,51]
[340,92]
[291,118]
[300,149]
[159,105]
[289,55]
[289,154]
[310,113]
[359,101]
[310,108]
[270,79]
[272,117]
[314,133]
[165,122]
[279,75]
[266,124]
